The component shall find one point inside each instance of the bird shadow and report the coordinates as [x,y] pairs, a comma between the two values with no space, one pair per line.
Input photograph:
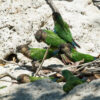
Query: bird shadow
[25,67]
[54,66]
[32,91]
[91,97]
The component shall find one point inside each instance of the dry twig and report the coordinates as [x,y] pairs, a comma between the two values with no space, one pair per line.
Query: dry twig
[42,61]
[7,74]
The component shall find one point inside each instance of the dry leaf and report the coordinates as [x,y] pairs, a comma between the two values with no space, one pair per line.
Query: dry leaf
[90,78]
[65,59]
[46,71]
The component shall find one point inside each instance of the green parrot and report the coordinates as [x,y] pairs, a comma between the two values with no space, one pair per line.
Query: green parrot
[49,37]
[38,54]
[35,53]
[24,78]
[74,55]
[61,28]
[71,81]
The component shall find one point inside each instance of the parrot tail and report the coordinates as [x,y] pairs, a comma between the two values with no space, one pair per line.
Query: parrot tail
[75,44]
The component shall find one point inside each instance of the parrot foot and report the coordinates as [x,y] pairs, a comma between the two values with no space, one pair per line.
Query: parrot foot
[65,59]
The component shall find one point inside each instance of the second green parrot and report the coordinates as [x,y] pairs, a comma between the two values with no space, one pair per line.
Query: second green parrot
[61,28]
[71,81]
[35,53]
[49,37]
[74,55]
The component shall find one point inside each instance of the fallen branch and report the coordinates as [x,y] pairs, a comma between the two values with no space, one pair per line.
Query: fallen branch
[45,55]
[10,81]
[7,74]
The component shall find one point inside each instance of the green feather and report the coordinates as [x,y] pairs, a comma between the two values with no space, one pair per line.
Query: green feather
[62,29]
[33,79]
[77,56]
[71,84]
[38,53]
[74,55]
[67,74]
[72,81]
[53,39]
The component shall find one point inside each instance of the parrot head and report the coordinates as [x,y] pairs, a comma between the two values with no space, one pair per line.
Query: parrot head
[22,48]
[23,78]
[66,47]
[66,72]
[56,15]
[40,35]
